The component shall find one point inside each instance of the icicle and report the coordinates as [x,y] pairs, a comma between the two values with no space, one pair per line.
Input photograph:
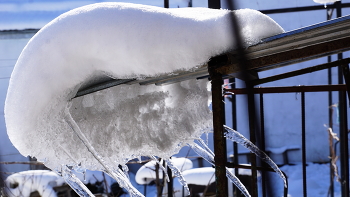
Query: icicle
[203,153]
[239,138]
[206,137]
[161,167]
[237,182]
[74,182]
[209,156]
[201,142]
[178,174]
[116,174]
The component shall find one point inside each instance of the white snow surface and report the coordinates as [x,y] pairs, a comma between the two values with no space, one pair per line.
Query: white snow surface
[325,1]
[147,172]
[23,183]
[118,40]
[205,175]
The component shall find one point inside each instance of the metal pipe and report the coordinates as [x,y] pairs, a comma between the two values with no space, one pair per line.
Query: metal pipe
[301,9]
[252,126]
[219,138]
[303,142]
[289,89]
[301,71]
[166,3]
[170,183]
[343,126]
[330,113]
[263,147]
[215,4]
[236,191]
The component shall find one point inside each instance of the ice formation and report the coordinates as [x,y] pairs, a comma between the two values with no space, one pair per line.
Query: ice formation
[122,41]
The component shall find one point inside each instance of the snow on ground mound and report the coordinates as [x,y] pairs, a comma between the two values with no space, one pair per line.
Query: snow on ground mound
[325,1]
[147,172]
[26,182]
[118,40]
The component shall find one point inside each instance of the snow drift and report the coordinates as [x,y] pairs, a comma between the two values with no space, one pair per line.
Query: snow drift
[147,172]
[22,184]
[118,40]
[325,1]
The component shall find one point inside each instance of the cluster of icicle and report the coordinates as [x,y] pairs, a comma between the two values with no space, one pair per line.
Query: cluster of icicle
[121,175]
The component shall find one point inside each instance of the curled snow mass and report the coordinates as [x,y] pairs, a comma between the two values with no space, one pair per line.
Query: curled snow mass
[118,40]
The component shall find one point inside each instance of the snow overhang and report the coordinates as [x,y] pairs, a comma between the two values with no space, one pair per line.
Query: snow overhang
[311,42]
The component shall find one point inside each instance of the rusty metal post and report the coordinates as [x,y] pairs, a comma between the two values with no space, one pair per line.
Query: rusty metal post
[219,138]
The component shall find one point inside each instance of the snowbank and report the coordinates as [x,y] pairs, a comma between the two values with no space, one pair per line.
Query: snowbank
[325,1]
[118,40]
[147,172]
[26,182]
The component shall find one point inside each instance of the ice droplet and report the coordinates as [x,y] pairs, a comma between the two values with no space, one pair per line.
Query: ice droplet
[239,138]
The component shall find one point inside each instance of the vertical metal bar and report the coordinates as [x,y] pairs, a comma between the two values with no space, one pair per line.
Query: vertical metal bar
[218,118]
[263,145]
[330,114]
[330,125]
[252,115]
[303,142]
[346,74]
[170,183]
[219,138]
[236,191]
[166,3]
[215,4]
[343,126]
[344,159]
[190,3]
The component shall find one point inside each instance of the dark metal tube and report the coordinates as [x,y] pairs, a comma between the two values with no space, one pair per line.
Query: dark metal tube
[289,89]
[330,114]
[252,127]
[265,183]
[170,183]
[236,191]
[219,138]
[166,3]
[303,142]
[215,4]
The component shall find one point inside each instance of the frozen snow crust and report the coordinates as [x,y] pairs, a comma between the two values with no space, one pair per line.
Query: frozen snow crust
[119,40]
